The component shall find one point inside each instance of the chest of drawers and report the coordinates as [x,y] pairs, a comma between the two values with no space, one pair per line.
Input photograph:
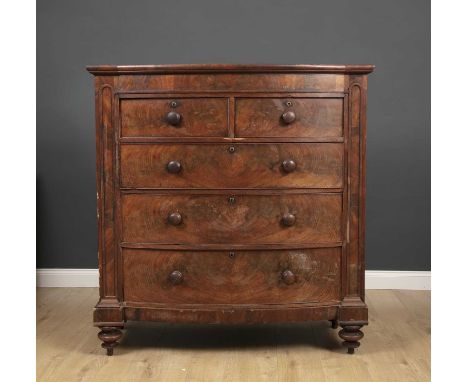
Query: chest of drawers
[231,194]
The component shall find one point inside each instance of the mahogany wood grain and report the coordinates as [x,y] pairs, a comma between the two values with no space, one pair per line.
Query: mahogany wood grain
[233,246]
[230,139]
[200,117]
[233,314]
[227,68]
[240,277]
[214,219]
[105,148]
[232,166]
[222,82]
[233,191]
[356,181]
[312,117]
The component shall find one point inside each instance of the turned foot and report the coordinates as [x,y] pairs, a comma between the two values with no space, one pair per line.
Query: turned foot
[351,334]
[334,324]
[109,335]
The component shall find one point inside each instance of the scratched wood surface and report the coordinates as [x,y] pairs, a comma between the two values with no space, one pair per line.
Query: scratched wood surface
[200,117]
[250,219]
[396,346]
[232,277]
[242,166]
[314,117]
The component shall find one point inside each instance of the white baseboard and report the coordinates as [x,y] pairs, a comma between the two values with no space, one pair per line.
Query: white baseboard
[411,280]
[67,277]
[64,277]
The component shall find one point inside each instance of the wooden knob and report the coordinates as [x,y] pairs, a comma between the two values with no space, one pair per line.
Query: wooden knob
[173,118]
[176,277]
[288,220]
[288,165]
[173,167]
[175,218]
[288,277]
[288,117]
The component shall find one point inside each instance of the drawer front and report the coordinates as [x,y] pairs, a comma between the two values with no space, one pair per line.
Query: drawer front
[225,219]
[174,117]
[283,165]
[240,277]
[291,117]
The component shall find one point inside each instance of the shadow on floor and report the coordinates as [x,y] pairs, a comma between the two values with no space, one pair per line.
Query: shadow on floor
[219,337]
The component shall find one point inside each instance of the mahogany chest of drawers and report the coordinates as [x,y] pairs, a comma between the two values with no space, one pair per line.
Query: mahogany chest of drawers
[231,194]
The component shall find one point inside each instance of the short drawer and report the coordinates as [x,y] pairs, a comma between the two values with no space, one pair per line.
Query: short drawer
[232,218]
[282,165]
[289,117]
[232,277]
[174,117]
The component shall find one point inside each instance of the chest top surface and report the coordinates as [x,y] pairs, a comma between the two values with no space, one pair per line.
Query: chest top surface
[228,68]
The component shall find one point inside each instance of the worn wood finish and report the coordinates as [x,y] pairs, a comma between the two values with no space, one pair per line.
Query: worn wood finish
[229,82]
[289,117]
[107,192]
[232,277]
[199,117]
[238,218]
[229,68]
[232,314]
[196,161]
[232,166]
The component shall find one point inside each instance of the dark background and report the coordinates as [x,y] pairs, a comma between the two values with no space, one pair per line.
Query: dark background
[393,35]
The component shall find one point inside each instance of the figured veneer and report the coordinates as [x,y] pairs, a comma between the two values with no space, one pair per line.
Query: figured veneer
[232,165]
[289,117]
[250,219]
[247,277]
[174,117]
[231,194]
[231,82]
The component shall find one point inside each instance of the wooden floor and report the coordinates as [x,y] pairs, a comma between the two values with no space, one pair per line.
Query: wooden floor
[395,347]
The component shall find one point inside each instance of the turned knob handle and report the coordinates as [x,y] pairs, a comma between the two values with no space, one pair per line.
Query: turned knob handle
[176,277]
[288,277]
[288,117]
[173,167]
[288,219]
[288,165]
[173,118]
[175,218]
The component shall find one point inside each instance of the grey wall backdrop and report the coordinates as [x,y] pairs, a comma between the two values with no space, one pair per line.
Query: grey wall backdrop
[393,35]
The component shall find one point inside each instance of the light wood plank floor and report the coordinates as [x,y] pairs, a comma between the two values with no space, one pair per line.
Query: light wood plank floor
[396,346]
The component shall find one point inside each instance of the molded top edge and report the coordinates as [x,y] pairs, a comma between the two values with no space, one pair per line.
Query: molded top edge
[227,68]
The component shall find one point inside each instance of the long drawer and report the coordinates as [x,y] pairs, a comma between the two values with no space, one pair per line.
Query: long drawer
[227,277]
[282,165]
[228,218]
